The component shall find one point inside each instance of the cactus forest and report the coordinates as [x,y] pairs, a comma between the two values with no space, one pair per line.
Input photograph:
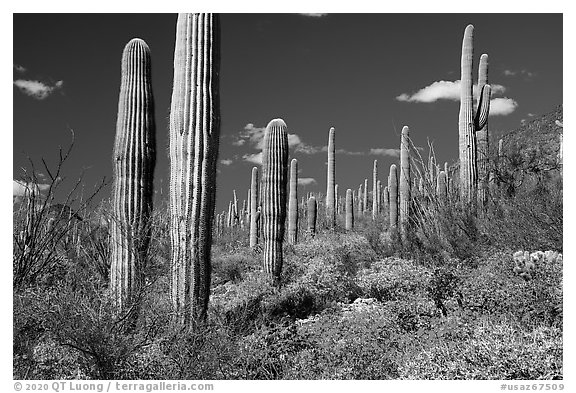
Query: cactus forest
[288,196]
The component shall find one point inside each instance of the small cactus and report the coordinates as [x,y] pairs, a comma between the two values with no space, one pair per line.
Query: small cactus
[134,161]
[274,182]
[349,210]
[293,203]
[365,203]
[404,183]
[442,186]
[360,201]
[311,216]
[393,196]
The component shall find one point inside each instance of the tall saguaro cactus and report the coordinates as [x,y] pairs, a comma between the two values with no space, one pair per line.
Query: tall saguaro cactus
[393,196]
[293,203]
[404,182]
[194,139]
[274,182]
[254,207]
[349,210]
[470,122]
[331,182]
[134,161]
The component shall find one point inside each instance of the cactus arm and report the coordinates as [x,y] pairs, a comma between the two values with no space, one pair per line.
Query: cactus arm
[483,109]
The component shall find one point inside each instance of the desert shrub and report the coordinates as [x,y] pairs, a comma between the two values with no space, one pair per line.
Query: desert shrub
[358,346]
[269,352]
[238,306]
[494,288]
[495,349]
[232,267]
[393,279]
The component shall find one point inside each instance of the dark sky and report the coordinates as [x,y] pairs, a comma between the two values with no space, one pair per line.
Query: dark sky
[360,73]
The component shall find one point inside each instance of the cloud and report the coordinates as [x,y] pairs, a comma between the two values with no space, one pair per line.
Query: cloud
[19,68]
[255,158]
[37,89]
[443,90]
[385,152]
[226,162]
[306,181]
[21,188]
[524,72]
[502,106]
[314,15]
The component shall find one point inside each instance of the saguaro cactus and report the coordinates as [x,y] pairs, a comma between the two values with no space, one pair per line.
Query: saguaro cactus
[254,207]
[311,216]
[349,210]
[365,203]
[293,203]
[375,190]
[194,139]
[134,161]
[330,187]
[386,203]
[393,196]
[469,122]
[404,183]
[360,201]
[442,186]
[274,182]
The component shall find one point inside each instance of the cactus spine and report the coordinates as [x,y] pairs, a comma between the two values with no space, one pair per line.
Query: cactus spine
[404,186]
[469,122]
[134,161]
[311,216]
[254,207]
[293,203]
[393,196]
[349,210]
[194,138]
[274,182]
[330,187]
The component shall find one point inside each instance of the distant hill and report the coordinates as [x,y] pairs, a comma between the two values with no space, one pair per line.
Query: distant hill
[539,136]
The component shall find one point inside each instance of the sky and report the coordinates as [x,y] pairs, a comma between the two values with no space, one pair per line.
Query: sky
[367,75]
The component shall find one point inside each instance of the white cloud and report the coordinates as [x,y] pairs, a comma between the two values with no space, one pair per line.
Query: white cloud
[524,72]
[255,158]
[19,68]
[306,181]
[385,152]
[37,89]
[226,162]
[314,15]
[20,188]
[502,106]
[443,90]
